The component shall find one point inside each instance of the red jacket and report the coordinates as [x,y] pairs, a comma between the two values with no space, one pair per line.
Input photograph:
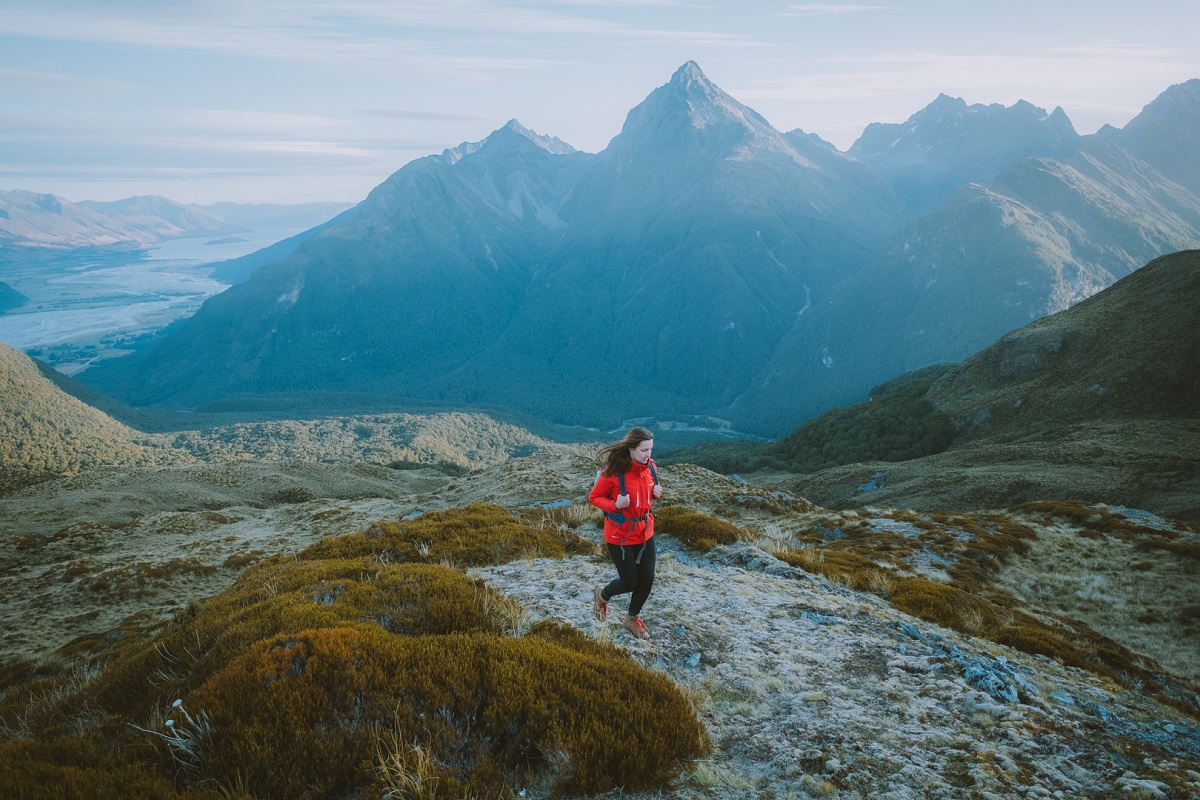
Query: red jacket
[639,483]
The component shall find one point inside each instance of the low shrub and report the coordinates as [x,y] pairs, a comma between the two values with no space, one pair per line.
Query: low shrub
[445,467]
[492,714]
[337,673]
[698,531]
[944,605]
[280,596]
[473,536]
[79,769]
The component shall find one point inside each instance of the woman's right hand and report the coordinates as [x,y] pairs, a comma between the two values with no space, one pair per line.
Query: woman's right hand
[622,501]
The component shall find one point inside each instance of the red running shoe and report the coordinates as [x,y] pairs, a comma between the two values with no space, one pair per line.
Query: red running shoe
[636,627]
[599,607]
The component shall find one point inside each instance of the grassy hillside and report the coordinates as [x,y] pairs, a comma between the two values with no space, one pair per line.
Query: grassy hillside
[371,665]
[44,429]
[1129,352]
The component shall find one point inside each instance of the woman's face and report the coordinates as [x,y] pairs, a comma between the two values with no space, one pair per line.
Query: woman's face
[641,453]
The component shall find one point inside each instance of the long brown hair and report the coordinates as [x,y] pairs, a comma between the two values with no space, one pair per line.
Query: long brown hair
[615,458]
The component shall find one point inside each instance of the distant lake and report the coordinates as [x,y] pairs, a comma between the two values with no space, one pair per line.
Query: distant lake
[80,299]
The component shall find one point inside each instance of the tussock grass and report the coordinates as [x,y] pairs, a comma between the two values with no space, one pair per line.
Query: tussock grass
[698,531]
[485,708]
[471,536]
[569,516]
[69,767]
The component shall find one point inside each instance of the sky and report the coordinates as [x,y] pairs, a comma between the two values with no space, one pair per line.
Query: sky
[290,101]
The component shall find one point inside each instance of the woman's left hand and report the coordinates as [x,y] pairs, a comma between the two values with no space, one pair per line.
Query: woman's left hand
[657,491]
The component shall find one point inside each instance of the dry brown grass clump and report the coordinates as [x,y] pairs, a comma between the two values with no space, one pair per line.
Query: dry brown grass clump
[472,536]
[852,570]
[698,531]
[569,516]
[1092,517]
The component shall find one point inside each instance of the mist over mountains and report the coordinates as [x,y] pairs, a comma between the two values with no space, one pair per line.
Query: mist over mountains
[703,263]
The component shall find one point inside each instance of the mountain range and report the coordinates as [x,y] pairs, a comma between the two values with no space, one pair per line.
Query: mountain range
[33,221]
[702,263]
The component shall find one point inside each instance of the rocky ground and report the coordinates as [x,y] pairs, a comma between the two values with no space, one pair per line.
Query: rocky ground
[809,690]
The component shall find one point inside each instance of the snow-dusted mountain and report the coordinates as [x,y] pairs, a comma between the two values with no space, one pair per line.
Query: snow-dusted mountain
[46,221]
[1041,236]
[33,221]
[1166,134]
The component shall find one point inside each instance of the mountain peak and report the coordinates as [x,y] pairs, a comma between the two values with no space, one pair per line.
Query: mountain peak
[1166,133]
[511,131]
[691,108]
[690,74]
[551,144]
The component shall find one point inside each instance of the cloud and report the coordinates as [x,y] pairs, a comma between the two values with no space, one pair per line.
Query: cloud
[1074,70]
[18,80]
[831,9]
[441,37]
[420,116]
[241,120]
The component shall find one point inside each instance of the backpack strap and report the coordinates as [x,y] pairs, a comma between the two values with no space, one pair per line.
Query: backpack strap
[617,516]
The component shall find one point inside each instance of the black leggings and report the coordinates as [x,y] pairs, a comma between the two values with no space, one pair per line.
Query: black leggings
[632,576]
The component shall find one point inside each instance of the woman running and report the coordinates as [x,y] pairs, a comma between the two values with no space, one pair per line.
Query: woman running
[625,489]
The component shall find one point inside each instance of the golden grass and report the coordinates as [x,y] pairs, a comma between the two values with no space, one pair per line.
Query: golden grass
[698,531]
[472,536]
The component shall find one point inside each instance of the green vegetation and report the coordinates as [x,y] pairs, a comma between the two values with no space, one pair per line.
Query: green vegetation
[724,457]
[444,467]
[896,424]
[371,667]
[1122,354]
